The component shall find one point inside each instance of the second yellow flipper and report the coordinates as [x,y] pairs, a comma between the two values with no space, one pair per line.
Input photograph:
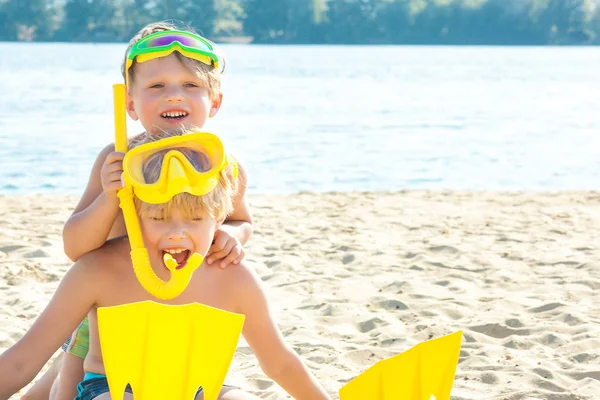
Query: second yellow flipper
[167,352]
[425,372]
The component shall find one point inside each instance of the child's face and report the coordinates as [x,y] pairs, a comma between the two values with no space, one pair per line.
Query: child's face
[179,234]
[166,96]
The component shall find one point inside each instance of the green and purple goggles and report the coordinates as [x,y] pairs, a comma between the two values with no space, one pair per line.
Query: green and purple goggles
[161,44]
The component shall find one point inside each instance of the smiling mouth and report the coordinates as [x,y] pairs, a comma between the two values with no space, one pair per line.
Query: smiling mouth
[174,115]
[179,256]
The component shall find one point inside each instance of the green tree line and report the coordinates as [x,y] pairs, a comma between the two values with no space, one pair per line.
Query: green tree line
[506,22]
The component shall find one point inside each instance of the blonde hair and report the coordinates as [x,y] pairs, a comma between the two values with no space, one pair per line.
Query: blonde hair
[210,75]
[217,203]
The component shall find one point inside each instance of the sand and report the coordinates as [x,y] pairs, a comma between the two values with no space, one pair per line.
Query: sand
[354,278]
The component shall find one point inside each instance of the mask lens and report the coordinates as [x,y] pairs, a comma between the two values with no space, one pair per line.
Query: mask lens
[165,40]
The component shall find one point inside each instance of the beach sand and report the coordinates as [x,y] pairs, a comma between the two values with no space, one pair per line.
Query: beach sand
[354,278]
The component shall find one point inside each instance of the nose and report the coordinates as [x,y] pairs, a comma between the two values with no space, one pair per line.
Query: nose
[177,231]
[174,94]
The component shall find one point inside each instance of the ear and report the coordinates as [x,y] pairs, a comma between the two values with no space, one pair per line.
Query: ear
[131,107]
[216,105]
[218,223]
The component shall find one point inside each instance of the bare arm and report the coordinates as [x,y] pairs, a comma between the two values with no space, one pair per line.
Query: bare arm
[90,225]
[74,297]
[276,357]
[234,233]
[239,223]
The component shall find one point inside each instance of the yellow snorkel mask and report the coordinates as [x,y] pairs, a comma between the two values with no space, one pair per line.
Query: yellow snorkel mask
[178,175]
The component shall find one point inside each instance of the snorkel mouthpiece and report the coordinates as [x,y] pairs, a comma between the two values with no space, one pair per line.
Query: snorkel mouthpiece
[153,284]
[170,262]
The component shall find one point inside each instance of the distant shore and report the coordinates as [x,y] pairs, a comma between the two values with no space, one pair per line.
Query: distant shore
[249,40]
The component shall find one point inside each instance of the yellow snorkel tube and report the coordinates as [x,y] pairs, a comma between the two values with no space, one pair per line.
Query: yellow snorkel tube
[139,255]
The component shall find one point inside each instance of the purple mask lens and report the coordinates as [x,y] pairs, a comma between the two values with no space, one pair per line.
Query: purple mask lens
[168,39]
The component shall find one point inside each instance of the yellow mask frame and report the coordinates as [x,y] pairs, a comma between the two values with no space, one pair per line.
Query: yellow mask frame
[178,174]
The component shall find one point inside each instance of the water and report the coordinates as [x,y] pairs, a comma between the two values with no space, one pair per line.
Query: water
[310,118]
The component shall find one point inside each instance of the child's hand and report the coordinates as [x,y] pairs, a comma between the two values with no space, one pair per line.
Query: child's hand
[226,248]
[111,173]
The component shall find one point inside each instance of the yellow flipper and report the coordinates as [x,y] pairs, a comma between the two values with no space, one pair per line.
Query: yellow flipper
[167,352]
[425,372]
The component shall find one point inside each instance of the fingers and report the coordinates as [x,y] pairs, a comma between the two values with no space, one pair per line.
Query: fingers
[113,176]
[220,253]
[113,163]
[113,157]
[111,172]
[219,242]
[112,182]
[114,167]
[225,249]
[235,256]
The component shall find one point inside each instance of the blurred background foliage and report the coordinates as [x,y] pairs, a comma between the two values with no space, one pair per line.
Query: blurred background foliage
[457,22]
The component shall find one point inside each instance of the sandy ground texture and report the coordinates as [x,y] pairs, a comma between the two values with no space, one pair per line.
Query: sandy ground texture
[354,278]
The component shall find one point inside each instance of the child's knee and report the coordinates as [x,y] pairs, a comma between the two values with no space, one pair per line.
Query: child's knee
[71,373]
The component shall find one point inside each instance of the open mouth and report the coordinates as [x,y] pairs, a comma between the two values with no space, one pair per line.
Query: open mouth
[174,115]
[180,256]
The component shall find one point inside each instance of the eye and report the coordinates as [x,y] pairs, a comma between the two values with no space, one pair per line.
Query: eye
[197,219]
[156,86]
[157,218]
[190,85]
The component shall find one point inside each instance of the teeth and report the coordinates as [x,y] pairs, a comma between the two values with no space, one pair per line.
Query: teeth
[175,251]
[174,114]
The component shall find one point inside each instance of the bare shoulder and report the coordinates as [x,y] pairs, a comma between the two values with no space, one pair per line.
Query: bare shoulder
[87,273]
[241,274]
[106,150]
[100,158]
[109,258]
[242,284]
[242,173]
[95,176]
